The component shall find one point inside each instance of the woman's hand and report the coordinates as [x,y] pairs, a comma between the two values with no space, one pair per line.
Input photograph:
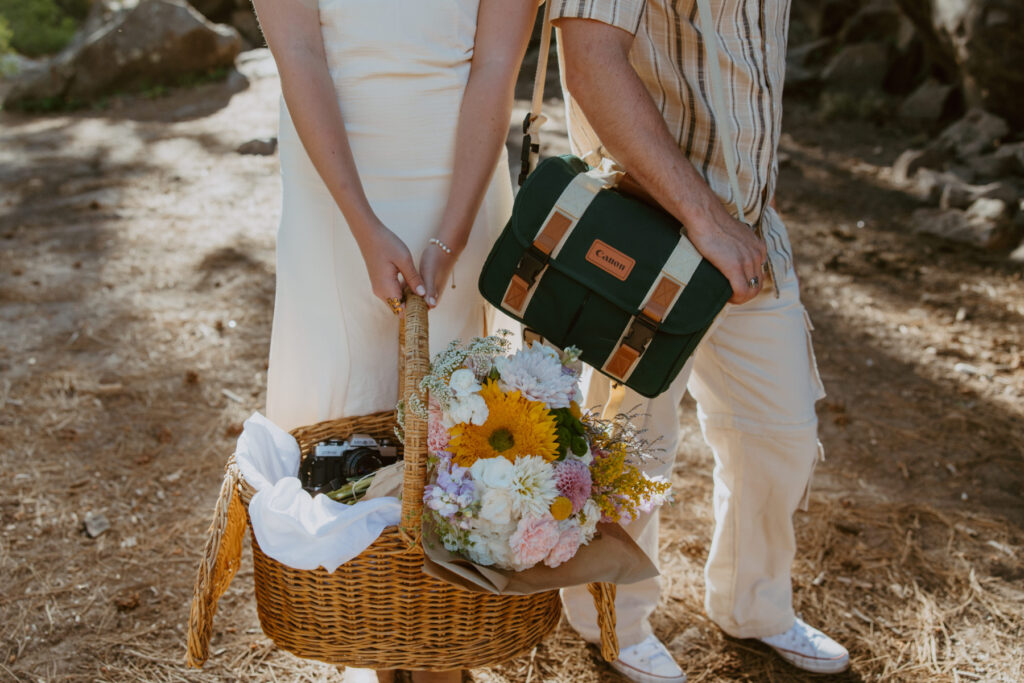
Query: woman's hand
[436,266]
[386,256]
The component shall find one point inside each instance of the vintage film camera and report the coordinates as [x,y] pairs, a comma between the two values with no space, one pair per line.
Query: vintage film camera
[334,462]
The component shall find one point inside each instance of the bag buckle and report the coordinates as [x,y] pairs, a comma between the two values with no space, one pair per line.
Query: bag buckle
[529,147]
[531,264]
[641,333]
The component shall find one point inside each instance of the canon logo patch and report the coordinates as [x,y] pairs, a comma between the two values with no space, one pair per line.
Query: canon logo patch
[610,260]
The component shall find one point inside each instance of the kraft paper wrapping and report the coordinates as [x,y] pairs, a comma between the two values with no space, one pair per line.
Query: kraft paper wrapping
[611,557]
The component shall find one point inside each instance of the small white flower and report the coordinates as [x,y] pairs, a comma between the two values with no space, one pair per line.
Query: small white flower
[471,409]
[492,472]
[463,383]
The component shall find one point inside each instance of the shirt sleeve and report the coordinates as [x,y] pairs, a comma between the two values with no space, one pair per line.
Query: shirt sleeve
[624,14]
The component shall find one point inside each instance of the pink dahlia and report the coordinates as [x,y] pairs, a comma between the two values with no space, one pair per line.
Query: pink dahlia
[572,478]
[533,540]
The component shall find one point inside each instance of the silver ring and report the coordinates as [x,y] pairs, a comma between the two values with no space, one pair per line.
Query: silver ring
[754,282]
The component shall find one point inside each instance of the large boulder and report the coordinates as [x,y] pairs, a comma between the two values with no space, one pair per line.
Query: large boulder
[980,43]
[858,68]
[155,42]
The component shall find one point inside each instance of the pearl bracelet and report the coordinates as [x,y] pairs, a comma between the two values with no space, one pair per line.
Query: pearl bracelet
[441,245]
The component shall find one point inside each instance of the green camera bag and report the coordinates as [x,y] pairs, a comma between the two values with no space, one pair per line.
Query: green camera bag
[585,265]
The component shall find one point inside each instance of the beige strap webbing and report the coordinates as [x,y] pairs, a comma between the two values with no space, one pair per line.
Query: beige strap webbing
[660,300]
[555,230]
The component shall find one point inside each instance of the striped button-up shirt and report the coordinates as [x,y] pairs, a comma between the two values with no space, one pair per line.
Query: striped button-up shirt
[670,57]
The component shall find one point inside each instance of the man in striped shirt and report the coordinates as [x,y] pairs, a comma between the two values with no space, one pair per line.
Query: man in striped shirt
[639,96]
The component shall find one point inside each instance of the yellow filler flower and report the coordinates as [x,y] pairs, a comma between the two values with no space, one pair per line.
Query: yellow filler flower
[515,426]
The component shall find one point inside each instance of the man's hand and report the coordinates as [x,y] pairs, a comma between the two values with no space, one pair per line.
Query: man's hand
[733,248]
[629,125]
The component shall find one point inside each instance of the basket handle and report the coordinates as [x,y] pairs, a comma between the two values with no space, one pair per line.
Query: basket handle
[222,555]
[415,365]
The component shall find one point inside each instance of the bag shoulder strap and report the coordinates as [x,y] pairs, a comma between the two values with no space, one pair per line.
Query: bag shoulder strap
[535,119]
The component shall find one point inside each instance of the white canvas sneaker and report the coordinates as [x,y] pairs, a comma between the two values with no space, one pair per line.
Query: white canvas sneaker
[649,661]
[807,648]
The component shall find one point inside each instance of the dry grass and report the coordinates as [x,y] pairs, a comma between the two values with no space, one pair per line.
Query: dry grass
[128,245]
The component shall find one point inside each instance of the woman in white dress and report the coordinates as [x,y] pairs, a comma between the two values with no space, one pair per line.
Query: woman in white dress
[393,121]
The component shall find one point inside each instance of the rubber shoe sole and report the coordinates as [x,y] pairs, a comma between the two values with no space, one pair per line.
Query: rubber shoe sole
[638,676]
[817,665]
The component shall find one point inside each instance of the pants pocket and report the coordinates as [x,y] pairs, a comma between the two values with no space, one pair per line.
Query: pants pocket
[817,386]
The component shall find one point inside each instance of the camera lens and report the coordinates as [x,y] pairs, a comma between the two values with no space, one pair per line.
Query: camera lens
[361,461]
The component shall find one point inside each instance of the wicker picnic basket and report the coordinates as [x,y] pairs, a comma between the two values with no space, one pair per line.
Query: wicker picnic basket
[379,610]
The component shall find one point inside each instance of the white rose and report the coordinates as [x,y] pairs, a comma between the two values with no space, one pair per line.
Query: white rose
[493,472]
[496,506]
[463,383]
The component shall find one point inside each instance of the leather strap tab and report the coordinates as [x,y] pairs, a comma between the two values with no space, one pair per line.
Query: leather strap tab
[621,362]
[553,231]
[659,302]
[557,226]
[515,295]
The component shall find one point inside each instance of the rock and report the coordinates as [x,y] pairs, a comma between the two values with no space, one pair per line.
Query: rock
[931,103]
[1014,153]
[828,17]
[909,162]
[214,10]
[960,195]
[986,224]
[1017,255]
[157,41]
[257,64]
[876,21]
[804,64]
[979,43]
[858,68]
[244,20]
[929,184]
[260,146]
[96,524]
[992,166]
[974,134]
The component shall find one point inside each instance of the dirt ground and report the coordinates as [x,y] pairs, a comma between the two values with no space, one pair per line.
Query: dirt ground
[136,290]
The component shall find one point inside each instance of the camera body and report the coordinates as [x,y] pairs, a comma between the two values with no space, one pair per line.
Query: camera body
[334,462]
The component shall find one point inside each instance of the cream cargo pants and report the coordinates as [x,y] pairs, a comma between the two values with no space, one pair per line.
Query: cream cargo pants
[755,382]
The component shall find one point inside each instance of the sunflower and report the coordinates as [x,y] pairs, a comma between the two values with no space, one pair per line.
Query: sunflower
[514,427]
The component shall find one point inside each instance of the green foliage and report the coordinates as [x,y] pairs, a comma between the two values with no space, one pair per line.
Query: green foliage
[5,37]
[40,27]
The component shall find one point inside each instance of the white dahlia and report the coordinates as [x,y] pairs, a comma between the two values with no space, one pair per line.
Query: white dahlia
[538,374]
[533,486]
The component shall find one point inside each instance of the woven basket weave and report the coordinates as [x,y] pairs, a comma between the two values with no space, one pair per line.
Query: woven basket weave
[379,610]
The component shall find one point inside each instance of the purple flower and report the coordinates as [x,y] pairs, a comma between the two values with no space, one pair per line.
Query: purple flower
[573,480]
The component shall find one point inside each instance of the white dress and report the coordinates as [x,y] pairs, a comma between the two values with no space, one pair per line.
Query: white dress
[399,68]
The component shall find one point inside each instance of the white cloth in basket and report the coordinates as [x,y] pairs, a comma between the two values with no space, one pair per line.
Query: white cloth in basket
[291,526]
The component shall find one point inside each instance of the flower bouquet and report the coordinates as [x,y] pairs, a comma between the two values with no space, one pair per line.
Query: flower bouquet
[519,475]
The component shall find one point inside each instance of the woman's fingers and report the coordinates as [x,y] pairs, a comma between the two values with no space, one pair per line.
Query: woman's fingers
[411,276]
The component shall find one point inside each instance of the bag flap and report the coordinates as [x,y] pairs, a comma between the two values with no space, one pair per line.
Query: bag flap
[636,237]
